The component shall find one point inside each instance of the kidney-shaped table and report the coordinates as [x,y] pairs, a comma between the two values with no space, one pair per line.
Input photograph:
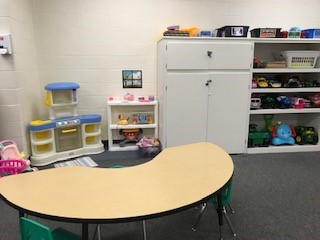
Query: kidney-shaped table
[178,178]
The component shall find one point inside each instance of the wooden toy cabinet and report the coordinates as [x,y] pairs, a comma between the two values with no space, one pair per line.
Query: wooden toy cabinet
[128,109]
[204,90]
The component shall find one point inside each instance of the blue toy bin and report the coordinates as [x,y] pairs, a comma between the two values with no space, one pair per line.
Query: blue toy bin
[311,33]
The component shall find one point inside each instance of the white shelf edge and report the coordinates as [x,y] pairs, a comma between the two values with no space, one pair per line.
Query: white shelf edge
[63,104]
[90,134]
[131,103]
[42,142]
[285,40]
[284,111]
[131,126]
[284,90]
[286,70]
[116,147]
[283,148]
[248,38]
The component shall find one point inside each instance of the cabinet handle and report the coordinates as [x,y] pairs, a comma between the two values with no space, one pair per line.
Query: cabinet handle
[209,53]
[69,130]
[208,82]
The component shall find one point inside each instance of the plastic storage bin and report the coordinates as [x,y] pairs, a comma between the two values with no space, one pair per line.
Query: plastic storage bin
[150,151]
[311,33]
[265,33]
[301,59]
[233,31]
[11,167]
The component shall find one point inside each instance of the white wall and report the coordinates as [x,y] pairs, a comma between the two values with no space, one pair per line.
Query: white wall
[19,81]
[91,41]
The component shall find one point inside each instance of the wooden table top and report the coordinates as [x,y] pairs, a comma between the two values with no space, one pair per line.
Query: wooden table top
[178,177]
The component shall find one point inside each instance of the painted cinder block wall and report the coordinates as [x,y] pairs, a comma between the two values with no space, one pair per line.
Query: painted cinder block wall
[91,41]
[19,75]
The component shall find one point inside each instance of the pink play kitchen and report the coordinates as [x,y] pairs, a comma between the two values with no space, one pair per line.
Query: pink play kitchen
[66,134]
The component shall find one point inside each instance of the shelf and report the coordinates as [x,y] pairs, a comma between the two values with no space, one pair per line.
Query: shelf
[284,148]
[265,49]
[249,39]
[284,90]
[131,106]
[90,134]
[131,103]
[129,147]
[42,142]
[286,70]
[131,126]
[64,104]
[285,111]
[286,40]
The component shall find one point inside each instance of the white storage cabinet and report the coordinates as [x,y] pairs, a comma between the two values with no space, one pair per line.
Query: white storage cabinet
[203,91]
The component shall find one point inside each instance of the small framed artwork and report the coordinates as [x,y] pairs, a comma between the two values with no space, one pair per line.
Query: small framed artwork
[132,78]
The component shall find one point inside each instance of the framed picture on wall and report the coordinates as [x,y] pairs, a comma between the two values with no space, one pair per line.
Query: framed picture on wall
[132,78]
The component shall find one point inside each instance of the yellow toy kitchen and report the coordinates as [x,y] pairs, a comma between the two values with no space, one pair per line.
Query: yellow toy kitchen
[65,134]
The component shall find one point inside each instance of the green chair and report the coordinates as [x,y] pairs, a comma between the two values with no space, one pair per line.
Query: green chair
[32,230]
[226,196]
[143,221]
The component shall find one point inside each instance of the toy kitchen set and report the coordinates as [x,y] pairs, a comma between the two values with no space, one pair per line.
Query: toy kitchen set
[66,134]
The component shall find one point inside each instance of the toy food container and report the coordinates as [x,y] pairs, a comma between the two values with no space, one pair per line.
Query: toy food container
[265,33]
[233,31]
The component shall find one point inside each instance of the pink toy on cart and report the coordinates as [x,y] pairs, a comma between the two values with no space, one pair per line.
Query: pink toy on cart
[12,161]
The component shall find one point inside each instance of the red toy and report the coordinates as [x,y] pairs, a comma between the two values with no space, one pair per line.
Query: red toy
[130,135]
[298,102]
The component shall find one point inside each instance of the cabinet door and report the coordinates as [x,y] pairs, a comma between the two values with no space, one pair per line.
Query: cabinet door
[228,110]
[209,55]
[186,109]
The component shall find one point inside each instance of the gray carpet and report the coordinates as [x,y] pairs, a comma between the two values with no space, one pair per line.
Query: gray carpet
[275,196]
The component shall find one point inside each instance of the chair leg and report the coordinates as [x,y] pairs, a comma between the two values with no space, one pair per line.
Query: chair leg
[220,232]
[231,209]
[144,230]
[97,232]
[228,221]
[203,207]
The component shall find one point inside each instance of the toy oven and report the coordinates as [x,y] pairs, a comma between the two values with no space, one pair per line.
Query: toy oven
[68,138]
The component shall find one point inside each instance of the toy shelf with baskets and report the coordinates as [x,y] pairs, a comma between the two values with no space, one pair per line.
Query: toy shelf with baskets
[130,110]
[302,63]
